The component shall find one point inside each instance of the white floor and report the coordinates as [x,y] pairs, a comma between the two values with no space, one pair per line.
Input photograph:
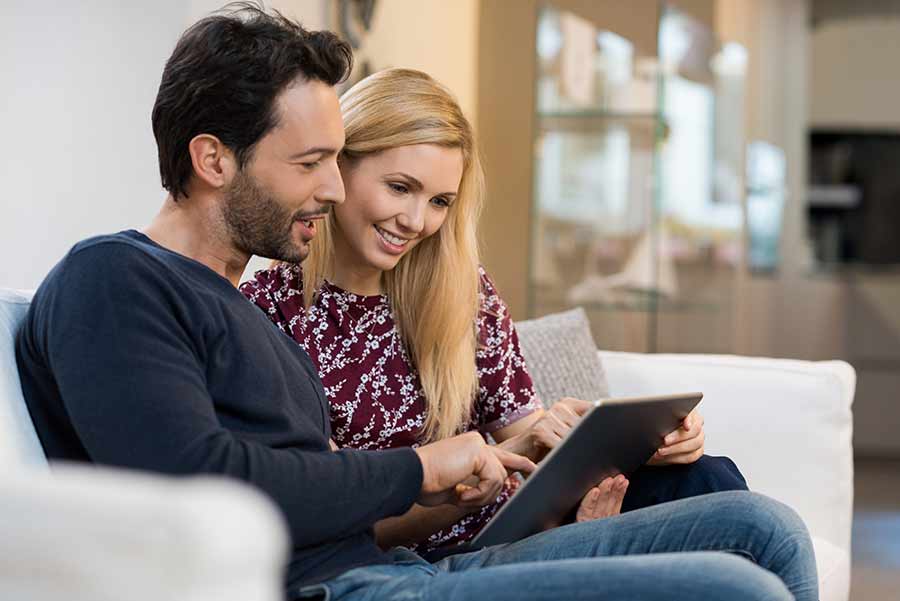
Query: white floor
[876,532]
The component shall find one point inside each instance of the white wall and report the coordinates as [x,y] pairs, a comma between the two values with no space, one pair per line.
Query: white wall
[77,156]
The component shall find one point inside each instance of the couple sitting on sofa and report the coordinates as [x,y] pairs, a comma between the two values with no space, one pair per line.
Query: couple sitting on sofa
[364,423]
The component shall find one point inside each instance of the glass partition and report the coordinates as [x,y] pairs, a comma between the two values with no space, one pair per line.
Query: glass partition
[638,186]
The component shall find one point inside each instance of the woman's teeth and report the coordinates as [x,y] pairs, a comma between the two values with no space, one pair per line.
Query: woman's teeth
[390,237]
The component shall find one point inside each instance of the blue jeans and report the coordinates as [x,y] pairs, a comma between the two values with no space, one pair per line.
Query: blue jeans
[727,545]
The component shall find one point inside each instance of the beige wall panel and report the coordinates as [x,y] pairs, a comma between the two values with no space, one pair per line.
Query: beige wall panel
[505,124]
[438,37]
[852,78]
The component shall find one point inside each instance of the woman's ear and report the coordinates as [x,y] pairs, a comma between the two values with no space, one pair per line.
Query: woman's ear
[214,163]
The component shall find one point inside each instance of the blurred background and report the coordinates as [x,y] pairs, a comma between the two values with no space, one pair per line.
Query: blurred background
[709,176]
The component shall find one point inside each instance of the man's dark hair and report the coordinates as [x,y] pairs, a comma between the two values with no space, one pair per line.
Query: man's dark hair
[223,79]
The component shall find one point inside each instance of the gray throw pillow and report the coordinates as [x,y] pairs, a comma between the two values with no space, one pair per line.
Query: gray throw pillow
[562,357]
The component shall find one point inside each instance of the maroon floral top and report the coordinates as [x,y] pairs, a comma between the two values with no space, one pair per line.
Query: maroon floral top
[374,390]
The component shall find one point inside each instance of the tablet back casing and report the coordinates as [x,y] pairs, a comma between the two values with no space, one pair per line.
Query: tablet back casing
[616,437]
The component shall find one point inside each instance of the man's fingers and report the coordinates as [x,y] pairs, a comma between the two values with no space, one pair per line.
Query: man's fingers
[482,494]
[513,462]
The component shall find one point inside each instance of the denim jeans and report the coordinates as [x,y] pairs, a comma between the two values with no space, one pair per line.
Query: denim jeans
[726,545]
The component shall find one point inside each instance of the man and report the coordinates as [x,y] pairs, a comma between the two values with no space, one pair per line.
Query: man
[139,351]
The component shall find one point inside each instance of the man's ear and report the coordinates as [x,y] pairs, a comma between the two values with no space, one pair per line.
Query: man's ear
[214,163]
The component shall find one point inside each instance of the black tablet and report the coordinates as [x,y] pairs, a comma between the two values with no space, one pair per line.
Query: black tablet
[617,436]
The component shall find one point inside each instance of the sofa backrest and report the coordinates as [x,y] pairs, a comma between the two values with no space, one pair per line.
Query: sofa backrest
[19,443]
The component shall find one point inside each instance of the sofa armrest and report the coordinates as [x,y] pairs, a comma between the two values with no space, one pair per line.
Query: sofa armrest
[82,533]
[786,423]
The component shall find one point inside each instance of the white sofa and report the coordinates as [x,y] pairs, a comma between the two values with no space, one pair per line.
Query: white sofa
[91,534]
[787,424]
[86,533]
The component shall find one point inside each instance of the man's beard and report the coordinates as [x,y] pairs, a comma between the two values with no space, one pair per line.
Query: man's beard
[257,223]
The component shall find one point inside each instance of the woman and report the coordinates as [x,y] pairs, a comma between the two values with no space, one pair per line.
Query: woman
[410,337]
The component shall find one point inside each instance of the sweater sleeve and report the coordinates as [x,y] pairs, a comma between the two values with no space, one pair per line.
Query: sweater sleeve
[131,376]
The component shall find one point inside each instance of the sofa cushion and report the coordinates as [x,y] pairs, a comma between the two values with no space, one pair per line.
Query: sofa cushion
[786,423]
[833,566]
[562,357]
[18,441]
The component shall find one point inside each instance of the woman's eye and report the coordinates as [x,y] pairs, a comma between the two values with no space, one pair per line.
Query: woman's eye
[440,201]
[398,188]
[312,165]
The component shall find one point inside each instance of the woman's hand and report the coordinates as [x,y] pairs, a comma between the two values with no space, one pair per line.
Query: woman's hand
[555,423]
[604,500]
[684,445]
[535,435]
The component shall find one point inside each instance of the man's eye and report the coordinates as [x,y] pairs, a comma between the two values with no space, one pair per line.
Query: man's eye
[398,188]
[312,165]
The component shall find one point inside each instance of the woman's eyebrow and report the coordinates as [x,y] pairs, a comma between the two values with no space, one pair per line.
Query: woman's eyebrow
[415,183]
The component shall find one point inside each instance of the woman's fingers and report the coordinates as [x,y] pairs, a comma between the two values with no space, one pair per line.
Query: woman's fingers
[691,427]
[684,445]
[550,431]
[580,407]
[687,446]
[588,507]
[620,496]
[557,421]
[566,413]
[604,500]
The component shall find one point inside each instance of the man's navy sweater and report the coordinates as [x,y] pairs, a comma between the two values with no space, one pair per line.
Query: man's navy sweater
[132,355]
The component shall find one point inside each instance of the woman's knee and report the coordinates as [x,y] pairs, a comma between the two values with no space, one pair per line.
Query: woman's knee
[766,510]
[716,474]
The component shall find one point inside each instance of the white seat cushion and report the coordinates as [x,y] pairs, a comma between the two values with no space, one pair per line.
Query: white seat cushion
[833,564]
[84,534]
[19,443]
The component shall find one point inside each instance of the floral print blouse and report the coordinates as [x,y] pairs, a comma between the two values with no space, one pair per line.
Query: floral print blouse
[376,397]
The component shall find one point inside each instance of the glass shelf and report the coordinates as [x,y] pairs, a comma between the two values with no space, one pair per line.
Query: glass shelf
[599,120]
[637,213]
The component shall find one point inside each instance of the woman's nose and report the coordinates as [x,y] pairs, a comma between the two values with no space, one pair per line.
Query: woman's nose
[412,218]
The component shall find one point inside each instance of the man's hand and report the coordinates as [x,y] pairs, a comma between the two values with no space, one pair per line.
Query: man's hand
[684,445]
[448,463]
[604,500]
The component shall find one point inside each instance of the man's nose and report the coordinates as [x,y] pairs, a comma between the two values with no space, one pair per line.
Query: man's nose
[331,191]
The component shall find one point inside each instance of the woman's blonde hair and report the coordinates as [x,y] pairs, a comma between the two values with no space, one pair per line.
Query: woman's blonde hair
[434,288]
